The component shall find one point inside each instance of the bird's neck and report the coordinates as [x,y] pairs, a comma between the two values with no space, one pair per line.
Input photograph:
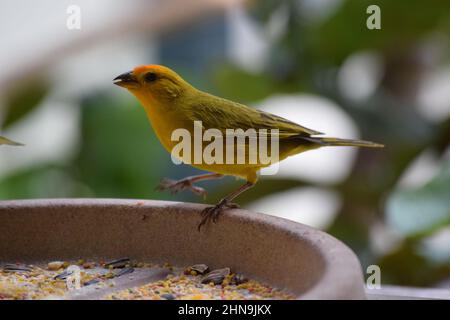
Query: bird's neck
[160,115]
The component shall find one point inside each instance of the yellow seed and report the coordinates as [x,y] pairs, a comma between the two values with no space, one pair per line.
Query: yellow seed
[55,265]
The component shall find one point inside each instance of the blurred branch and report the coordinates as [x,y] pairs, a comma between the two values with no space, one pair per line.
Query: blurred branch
[170,15]
[6,141]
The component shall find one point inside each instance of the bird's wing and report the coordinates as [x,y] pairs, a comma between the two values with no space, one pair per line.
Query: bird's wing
[223,114]
[287,125]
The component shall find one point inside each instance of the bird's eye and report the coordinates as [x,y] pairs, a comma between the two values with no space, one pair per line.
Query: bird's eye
[150,77]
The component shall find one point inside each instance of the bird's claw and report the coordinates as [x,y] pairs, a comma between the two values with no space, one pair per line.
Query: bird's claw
[212,213]
[175,186]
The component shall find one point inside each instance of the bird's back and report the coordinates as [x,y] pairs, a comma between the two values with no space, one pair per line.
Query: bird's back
[222,114]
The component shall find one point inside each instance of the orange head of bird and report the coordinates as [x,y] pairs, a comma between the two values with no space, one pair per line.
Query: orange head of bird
[156,82]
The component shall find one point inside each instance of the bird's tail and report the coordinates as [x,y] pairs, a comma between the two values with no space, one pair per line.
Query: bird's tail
[344,142]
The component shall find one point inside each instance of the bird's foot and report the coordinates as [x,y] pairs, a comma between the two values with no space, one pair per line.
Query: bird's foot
[175,186]
[212,213]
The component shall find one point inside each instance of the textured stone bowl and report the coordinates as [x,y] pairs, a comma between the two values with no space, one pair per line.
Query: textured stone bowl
[285,254]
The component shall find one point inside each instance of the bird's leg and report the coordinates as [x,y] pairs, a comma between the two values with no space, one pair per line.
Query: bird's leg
[212,213]
[175,186]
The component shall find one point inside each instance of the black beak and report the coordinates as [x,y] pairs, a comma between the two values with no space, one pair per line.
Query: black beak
[125,79]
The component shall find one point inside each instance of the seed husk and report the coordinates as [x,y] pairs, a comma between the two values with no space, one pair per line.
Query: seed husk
[168,296]
[118,263]
[199,268]
[216,276]
[63,275]
[91,282]
[238,279]
[16,268]
[123,271]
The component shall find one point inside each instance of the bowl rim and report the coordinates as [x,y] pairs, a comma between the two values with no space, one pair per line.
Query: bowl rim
[342,276]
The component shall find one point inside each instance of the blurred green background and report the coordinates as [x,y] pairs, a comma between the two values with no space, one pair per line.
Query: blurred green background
[313,59]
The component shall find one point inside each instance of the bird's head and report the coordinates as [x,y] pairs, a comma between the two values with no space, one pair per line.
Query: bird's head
[153,82]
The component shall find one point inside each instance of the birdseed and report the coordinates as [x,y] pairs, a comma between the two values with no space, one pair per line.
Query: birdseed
[186,285]
[19,281]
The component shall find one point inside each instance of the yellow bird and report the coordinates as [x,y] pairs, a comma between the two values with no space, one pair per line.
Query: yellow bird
[172,104]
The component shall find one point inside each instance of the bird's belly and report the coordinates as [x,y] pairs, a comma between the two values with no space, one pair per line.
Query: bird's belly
[164,127]
[197,154]
[177,137]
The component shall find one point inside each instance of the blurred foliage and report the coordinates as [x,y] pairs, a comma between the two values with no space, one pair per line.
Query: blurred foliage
[257,86]
[124,158]
[422,273]
[404,22]
[42,181]
[23,99]
[423,210]
[119,155]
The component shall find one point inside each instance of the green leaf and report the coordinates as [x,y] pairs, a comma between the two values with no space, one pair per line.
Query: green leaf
[4,140]
[423,210]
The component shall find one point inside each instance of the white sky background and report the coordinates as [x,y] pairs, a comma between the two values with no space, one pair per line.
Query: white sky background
[29,29]
[28,32]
